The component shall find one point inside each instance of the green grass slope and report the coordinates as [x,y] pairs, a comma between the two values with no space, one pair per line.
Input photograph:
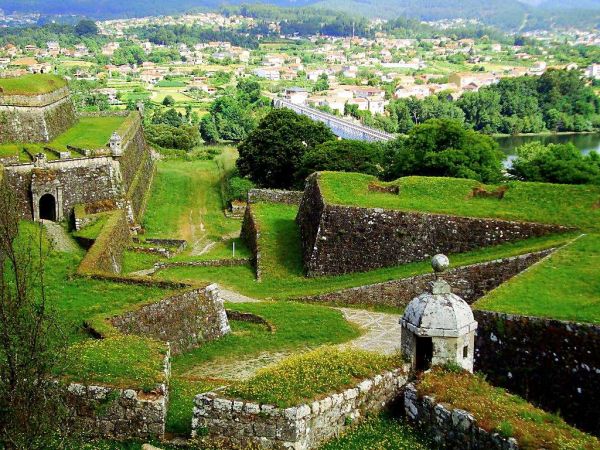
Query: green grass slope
[31,84]
[564,286]
[570,205]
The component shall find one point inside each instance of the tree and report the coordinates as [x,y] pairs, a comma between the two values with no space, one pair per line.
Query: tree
[169,117]
[342,156]
[86,27]
[556,163]
[482,110]
[183,137]
[443,147]
[208,130]
[271,154]
[322,83]
[168,101]
[31,343]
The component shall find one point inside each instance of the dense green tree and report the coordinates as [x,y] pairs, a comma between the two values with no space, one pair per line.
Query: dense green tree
[442,147]
[342,156]
[86,27]
[168,117]
[556,163]
[168,101]
[184,137]
[232,120]
[208,130]
[271,154]
[482,110]
[322,83]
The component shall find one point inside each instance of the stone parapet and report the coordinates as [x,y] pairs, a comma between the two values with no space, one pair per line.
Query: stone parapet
[469,282]
[452,429]
[185,320]
[234,423]
[275,196]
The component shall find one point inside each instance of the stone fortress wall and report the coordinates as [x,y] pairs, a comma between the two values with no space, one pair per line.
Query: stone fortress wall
[469,282]
[185,320]
[109,412]
[553,363]
[125,178]
[38,118]
[345,239]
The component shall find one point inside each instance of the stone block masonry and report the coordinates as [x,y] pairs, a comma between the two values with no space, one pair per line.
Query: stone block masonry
[554,364]
[108,412]
[185,320]
[234,423]
[469,282]
[344,239]
[452,429]
[275,196]
[37,118]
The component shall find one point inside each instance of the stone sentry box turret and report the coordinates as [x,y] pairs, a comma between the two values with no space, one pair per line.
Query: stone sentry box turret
[438,326]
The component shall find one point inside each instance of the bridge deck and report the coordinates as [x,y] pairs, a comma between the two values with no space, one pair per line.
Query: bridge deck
[340,127]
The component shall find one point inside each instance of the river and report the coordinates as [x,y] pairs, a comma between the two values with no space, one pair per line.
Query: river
[584,142]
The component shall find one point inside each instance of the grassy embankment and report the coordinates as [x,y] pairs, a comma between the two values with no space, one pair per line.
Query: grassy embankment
[498,411]
[31,85]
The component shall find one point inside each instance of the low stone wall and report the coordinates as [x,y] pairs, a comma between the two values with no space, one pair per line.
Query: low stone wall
[344,239]
[452,429]
[108,412]
[469,282]
[250,234]
[225,262]
[233,423]
[185,320]
[106,255]
[275,196]
[552,363]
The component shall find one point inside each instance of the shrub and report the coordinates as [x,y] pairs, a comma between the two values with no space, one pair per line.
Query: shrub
[237,188]
[556,163]
[442,147]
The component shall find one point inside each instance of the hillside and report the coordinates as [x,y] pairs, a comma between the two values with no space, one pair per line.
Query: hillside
[508,13]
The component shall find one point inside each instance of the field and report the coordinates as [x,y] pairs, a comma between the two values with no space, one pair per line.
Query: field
[31,84]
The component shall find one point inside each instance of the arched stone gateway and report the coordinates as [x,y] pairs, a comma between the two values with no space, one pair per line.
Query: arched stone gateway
[47,207]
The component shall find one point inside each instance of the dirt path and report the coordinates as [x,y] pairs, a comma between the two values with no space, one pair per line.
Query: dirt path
[382,330]
[59,238]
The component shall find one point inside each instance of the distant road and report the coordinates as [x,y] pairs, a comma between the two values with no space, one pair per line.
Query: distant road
[340,127]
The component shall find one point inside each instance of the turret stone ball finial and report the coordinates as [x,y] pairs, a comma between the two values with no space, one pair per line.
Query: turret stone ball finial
[440,263]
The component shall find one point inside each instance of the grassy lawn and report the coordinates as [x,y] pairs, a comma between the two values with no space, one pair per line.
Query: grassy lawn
[565,286]
[570,205]
[281,261]
[498,411]
[298,327]
[308,376]
[31,84]
[380,433]
[88,132]
[7,150]
[186,200]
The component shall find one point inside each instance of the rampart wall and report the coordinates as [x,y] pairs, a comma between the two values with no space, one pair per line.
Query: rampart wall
[552,363]
[345,239]
[185,320]
[469,282]
[37,118]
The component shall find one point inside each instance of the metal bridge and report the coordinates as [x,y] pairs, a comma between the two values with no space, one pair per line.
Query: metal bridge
[340,127]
